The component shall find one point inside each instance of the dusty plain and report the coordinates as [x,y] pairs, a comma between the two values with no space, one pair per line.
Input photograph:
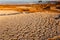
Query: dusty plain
[29,22]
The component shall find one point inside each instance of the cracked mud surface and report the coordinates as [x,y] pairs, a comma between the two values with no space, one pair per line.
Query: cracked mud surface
[32,26]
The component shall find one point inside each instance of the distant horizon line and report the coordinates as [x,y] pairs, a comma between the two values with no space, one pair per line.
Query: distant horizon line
[43,2]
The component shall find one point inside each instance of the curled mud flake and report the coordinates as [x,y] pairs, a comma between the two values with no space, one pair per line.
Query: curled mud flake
[13,13]
[48,7]
[1,39]
[11,35]
[9,14]
[57,17]
[14,39]
[55,38]
[25,9]
[58,7]
[26,32]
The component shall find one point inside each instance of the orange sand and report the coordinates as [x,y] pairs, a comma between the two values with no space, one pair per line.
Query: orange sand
[29,7]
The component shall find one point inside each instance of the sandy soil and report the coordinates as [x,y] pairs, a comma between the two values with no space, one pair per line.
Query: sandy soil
[30,26]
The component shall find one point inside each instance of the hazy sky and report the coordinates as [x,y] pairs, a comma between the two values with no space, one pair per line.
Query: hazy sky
[18,0]
[24,0]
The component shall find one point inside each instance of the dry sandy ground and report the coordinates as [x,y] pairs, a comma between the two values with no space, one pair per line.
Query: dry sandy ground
[29,26]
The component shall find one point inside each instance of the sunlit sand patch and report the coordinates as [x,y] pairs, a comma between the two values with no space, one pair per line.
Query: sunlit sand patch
[23,7]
